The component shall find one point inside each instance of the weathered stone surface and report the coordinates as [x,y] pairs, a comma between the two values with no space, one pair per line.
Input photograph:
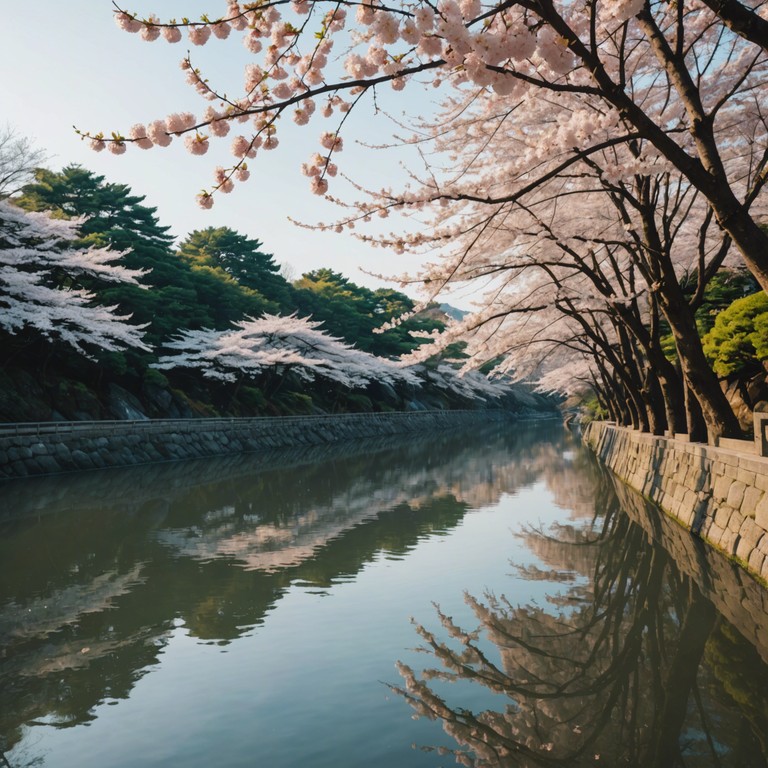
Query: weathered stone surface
[76,447]
[752,497]
[761,512]
[728,490]
[736,494]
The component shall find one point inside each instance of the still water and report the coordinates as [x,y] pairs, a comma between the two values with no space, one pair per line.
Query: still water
[490,598]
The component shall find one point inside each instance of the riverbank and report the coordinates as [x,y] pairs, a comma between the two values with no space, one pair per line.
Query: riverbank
[46,448]
[719,494]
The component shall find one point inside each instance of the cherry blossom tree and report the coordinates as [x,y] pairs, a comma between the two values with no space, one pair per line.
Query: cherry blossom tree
[39,284]
[611,73]
[612,261]
[271,347]
[469,385]
[650,109]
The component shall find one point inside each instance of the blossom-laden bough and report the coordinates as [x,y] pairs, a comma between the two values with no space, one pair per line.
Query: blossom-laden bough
[587,157]
[40,288]
[673,75]
[275,345]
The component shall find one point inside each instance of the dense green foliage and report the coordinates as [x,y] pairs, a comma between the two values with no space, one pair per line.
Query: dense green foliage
[233,257]
[213,278]
[722,289]
[353,312]
[217,275]
[183,294]
[739,336]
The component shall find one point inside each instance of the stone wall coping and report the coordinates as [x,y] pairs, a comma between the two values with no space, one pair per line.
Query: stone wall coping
[207,424]
[742,446]
[743,450]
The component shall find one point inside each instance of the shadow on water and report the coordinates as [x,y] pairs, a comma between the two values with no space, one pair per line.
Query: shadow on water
[641,660]
[97,569]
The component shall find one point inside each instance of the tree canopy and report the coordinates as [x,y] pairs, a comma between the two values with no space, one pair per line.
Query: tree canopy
[739,336]
[586,162]
[184,293]
[357,314]
[241,259]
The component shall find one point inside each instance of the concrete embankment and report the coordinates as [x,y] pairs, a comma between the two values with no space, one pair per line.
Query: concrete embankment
[718,493]
[53,447]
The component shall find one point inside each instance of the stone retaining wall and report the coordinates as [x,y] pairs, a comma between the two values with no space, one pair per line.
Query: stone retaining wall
[734,593]
[53,447]
[719,494]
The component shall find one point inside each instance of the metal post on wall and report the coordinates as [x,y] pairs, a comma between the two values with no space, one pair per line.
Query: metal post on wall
[761,433]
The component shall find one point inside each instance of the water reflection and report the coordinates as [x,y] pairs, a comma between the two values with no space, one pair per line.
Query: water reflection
[629,664]
[638,657]
[96,570]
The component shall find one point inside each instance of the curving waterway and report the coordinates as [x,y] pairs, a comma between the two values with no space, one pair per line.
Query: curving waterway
[492,598]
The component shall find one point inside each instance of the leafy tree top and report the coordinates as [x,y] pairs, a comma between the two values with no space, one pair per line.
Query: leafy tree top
[183,294]
[241,258]
[358,314]
[113,212]
[739,337]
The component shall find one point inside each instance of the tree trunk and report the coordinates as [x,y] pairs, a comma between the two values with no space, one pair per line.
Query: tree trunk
[696,425]
[696,628]
[699,377]
[654,402]
[674,397]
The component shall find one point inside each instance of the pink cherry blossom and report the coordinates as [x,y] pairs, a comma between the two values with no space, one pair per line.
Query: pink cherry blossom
[127,23]
[138,133]
[220,127]
[156,132]
[221,30]
[172,34]
[199,35]
[318,185]
[196,143]
[331,141]
[252,42]
[240,146]
[179,121]
[424,17]
[149,31]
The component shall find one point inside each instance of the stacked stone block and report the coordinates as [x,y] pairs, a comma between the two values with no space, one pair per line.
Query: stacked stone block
[50,448]
[735,595]
[717,493]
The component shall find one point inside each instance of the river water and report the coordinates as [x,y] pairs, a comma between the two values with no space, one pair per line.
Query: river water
[492,598]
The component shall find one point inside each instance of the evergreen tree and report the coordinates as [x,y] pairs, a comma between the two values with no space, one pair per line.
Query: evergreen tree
[240,258]
[183,295]
[353,312]
[739,337]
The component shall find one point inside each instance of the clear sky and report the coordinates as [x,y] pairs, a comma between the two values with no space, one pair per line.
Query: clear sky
[69,65]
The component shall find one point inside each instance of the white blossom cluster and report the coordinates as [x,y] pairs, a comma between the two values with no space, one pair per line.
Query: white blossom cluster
[279,344]
[39,273]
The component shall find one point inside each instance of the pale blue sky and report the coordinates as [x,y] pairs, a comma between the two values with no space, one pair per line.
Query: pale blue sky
[71,65]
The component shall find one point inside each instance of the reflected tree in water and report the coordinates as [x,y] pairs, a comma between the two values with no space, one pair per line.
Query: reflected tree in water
[94,581]
[609,673]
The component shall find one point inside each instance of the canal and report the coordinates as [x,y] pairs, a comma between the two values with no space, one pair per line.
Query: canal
[491,598]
